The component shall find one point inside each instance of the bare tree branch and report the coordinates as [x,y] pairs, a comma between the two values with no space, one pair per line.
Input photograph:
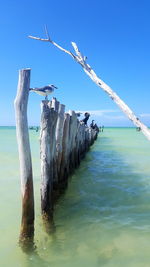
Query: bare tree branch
[50,41]
[79,58]
[47,33]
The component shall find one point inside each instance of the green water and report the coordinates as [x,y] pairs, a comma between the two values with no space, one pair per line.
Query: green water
[102,220]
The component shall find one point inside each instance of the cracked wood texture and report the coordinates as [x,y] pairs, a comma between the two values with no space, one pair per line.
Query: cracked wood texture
[20,103]
[47,155]
[63,143]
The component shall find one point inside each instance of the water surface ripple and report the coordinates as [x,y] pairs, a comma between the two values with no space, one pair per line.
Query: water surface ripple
[103,219]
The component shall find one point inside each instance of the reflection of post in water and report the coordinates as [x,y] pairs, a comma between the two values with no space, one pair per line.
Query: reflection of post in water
[48,225]
[27,245]
[32,257]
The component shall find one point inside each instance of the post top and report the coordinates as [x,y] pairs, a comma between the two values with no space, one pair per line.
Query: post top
[25,69]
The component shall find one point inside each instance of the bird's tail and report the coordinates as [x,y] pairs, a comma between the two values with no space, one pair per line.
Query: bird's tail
[53,86]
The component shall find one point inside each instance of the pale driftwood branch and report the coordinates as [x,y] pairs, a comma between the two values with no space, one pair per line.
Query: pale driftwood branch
[88,70]
[21,102]
[52,42]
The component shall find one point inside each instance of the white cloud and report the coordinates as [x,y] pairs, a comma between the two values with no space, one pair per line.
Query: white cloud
[107,117]
[100,113]
[145,115]
[117,117]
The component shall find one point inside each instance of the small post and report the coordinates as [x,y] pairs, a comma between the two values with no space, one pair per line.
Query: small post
[20,103]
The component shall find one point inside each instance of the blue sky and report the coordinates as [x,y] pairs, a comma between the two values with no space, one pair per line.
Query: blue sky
[113,34]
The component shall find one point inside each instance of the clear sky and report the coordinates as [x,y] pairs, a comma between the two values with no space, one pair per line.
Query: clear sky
[113,34]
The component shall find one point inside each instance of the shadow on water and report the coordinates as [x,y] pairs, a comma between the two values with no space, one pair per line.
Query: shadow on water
[116,174]
[49,226]
[30,249]
[33,260]
[31,256]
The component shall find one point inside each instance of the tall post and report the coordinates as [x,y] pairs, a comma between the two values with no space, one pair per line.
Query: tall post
[20,103]
[45,155]
[54,105]
[72,135]
[64,166]
[47,149]
[59,137]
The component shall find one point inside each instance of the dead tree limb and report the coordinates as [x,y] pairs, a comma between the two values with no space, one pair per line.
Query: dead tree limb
[79,58]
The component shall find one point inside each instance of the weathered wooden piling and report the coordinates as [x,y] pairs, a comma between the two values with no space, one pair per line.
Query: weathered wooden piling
[54,104]
[72,140]
[47,150]
[59,140]
[64,167]
[64,141]
[20,103]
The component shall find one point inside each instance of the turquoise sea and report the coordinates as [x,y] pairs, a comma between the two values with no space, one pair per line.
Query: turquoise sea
[103,219]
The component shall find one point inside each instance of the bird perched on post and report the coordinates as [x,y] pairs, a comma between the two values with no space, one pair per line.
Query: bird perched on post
[45,91]
[87,115]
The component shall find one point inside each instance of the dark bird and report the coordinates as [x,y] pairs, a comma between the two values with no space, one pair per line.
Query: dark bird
[45,91]
[78,114]
[87,115]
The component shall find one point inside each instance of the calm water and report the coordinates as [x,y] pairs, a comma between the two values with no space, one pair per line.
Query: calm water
[102,220]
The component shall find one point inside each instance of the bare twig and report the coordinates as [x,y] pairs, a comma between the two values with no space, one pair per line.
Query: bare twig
[79,58]
[47,33]
[50,41]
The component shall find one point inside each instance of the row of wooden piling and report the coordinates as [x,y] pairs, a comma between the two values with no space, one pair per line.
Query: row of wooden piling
[64,141]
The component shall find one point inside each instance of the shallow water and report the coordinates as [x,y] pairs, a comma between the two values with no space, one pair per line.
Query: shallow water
[103,219]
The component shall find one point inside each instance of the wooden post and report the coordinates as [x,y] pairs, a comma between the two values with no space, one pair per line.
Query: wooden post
[64,167]
[62,140]
[45,156]
[82,140]
[59,138]
[47,152]
[72,135]
[54,104]
[20,103]
[77,145]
